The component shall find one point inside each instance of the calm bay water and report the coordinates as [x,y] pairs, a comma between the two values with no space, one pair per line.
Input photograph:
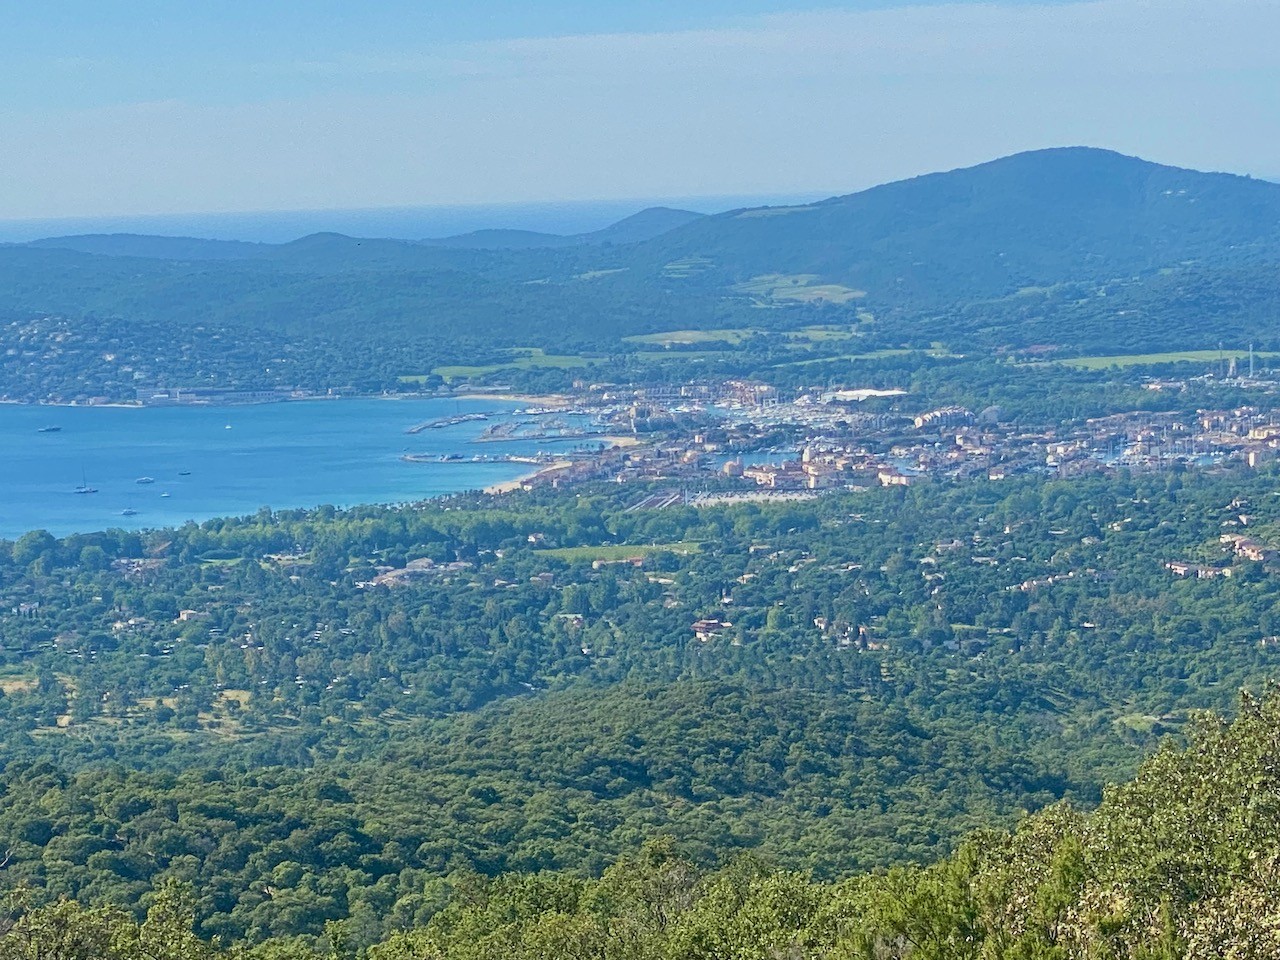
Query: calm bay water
[235,460]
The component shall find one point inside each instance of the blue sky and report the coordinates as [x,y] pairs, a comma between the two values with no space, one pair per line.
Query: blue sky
[80,53]
[155,107]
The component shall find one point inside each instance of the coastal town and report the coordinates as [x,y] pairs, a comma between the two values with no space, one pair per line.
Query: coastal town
[739,438]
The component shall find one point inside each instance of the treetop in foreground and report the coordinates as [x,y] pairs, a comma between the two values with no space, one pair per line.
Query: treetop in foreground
[1180,862]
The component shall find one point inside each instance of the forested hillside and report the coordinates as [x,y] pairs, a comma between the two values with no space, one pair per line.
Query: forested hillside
[234,706]
[1179,864]
[1072,250]
[1036,218]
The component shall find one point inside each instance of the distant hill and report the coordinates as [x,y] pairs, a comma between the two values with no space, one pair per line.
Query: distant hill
[498,239]
[1031,219]
[645,225]
[159,248]
[1081,248]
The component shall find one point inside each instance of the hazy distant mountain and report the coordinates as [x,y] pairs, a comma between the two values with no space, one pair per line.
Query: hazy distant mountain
[159,248]
[1031,219]
[1017,250]
[645,225]
[498,239]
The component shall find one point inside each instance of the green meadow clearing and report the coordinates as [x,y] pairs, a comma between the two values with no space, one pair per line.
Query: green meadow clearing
[523,358]
[801,287]
[663,356]
[1155,359]
[937,351]
[620,551]
[736,336]
[683,337]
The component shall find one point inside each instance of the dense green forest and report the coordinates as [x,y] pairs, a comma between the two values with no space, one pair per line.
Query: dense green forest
[1178,863]
[238,705]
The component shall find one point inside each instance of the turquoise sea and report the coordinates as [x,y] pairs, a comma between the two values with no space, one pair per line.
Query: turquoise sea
[229,461]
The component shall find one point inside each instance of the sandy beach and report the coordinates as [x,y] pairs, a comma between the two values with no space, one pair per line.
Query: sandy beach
[617,443]
[512,485]
[552,400]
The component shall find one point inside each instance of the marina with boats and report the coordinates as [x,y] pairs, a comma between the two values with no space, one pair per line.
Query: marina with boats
[442,422]
[154,466]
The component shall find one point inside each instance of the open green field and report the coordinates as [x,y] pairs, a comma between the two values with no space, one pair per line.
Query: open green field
[523,358]
[936,352]
[616,551]
[821,334]
[663,356]
[1153,359]
[12,682]
[692,336]
[722,342]
[735,336]
[801,287]
[687,267]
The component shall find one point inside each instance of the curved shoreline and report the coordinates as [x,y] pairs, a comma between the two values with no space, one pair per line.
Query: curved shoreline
[557,401]
[510,486]
[296,456]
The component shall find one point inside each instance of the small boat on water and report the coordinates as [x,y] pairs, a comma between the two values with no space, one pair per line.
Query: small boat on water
[85,487]
[145,480]
[49,429]
[128,512]
[184,473]
[165,494]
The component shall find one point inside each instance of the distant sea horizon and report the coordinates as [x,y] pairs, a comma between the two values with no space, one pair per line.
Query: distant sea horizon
[402,223]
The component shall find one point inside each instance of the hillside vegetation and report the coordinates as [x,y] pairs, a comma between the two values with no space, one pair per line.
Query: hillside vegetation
[1178,864]
[902,668]
[1036,218]
[1079,250]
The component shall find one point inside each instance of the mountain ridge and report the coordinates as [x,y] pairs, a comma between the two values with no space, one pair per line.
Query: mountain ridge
[642,225]
[1034,217]
[982,255]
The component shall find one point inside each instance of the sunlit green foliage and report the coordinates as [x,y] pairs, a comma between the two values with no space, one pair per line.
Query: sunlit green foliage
[1179,864]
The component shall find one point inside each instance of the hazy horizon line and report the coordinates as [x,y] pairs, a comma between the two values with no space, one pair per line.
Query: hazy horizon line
[559,217]
[407,221]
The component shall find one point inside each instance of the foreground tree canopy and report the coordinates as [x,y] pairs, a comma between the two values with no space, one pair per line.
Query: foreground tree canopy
[1181,862]
[234,707]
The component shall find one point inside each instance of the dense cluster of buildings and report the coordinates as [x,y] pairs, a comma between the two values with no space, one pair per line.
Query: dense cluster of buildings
[827,439]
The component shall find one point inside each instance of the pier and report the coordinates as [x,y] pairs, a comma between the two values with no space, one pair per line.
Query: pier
[447,422]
